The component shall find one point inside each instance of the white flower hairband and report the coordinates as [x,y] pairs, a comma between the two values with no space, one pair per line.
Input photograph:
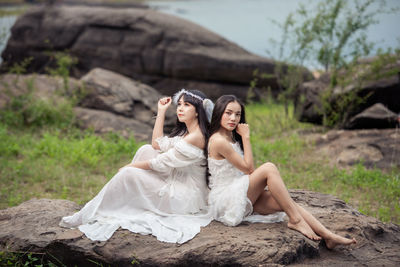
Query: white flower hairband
[208,105]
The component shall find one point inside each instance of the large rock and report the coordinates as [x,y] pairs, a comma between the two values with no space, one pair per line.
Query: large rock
[109,91]
[105,122]
[161,50]
[372,147]
[33,226]
[383,87]
[376,116]
[109,102]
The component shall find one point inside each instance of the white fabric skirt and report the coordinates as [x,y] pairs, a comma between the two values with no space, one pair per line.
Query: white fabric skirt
[132,200]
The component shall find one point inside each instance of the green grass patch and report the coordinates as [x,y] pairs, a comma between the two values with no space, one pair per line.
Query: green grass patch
[50,163]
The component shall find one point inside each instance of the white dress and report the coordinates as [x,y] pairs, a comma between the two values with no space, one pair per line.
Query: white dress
[169,201]
[228,201]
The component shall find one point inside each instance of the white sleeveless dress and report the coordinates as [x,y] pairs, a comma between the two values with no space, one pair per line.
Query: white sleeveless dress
[227,200]
[169,201]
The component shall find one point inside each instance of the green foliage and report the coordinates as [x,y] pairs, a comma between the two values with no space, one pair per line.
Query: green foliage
[334,32]
[28,110]
[27,258]
[288,72]
[64,63]
[20,67]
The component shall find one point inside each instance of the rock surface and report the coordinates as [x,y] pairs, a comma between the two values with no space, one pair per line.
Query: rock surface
[105,122]
[375,148]
[161,50]
[33,226]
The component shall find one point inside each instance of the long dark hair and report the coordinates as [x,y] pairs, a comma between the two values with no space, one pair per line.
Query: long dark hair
[180,129]
[219,109]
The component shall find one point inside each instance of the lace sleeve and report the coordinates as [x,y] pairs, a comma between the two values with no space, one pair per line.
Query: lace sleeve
[181,155]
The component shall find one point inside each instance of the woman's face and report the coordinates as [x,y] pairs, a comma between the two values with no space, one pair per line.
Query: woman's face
[231,116]
[185,111]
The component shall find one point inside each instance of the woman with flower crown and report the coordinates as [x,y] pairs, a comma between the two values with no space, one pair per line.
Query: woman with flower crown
[163,191]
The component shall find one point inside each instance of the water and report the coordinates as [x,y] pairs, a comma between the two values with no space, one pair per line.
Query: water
[5,25]
[248,23]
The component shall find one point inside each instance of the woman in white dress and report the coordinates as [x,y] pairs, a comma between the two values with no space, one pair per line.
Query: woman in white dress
[163,191]
[237,189]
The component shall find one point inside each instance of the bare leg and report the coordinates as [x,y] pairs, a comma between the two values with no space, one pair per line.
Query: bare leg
[266,204]
[268,174]
[331,239]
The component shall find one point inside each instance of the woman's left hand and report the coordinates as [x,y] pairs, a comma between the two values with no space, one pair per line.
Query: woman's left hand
[243,130]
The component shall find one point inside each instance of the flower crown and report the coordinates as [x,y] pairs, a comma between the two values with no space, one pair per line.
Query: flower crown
[208,105]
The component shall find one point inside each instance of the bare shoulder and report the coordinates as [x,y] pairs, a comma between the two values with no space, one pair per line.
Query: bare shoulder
[218,142]
[196,139]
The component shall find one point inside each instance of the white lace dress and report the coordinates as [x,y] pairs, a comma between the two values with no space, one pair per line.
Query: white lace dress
[228,201]
[168,201]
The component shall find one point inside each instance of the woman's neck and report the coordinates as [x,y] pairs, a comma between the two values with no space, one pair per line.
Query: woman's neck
[192,126]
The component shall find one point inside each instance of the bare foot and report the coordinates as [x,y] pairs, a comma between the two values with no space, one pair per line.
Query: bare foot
[304,228]
[334,240]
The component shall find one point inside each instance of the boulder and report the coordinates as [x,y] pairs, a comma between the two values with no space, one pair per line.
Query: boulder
[109,91]
[161,50]
[372,147]
[376,116]
[33,226]
[373,88]
[109,102]
[105,122]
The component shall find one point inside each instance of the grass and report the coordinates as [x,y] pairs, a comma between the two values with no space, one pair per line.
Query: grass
[43,155]
[58,164]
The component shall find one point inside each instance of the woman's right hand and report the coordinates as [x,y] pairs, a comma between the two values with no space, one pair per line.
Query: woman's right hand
[243,130]
[164,103]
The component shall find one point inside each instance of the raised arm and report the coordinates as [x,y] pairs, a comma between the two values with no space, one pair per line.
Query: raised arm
[226,151]
[158,130]
[244,131]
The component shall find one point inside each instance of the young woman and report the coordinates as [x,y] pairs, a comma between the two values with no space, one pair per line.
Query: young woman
[237,189]
[163,190]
